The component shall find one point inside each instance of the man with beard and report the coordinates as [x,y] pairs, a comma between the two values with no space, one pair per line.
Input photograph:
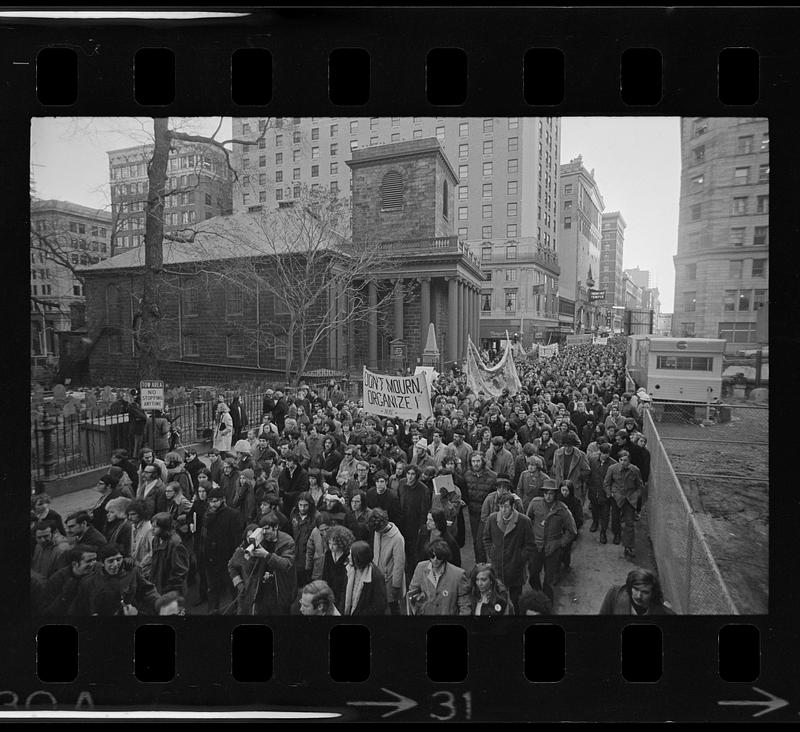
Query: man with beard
[221,532]
[50,553]
[263,572]
[62,588]
[114,590]
[415,502]
[640,595]
[169,566]
[480,483]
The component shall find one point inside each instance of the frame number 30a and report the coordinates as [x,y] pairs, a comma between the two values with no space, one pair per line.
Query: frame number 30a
[447,701]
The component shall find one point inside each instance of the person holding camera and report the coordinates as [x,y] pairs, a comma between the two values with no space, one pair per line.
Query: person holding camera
[262,570]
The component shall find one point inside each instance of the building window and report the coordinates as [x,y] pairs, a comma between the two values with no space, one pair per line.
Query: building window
[737,236]
[759,268]
[511,188]
[395,121]
[744,300]
[567,222]
[296,191]
[334,187]
[462,172]
[697,211]
[741,176]
[691,271]
[440,134]
[486,232]
[689,302]
[687,330]
[488,124]
[296,174]
[278,176]
[511,275]
[395,137]
[278,158]
[738,332]
[417,134]
[760,235]
[315,171]
[463,129]
[511,251]
[462,232]
[511,209]
[487,190]
[513,123]
[511,302]
[759,299]
[765,141]
[486,302]
[353,126]
[334,168]
[392,192]
[233,299]
[763,173]
[462,193]
[463,150]
[735,271]
[762,204]
[567,189]
[487,168]
[234,345]
[486,211]
[488,147]
[463,213]
[190,301]
[739,206]
[699,154]
[486,254]
[744,145]
[281,350]
[279,194]
[315,153]
[729,301]
[700,126]
[513,165]
[353,145]
[513,144]
[445,199]
[697,181]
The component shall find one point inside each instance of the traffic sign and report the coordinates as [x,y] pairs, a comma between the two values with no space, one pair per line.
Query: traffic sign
[151,394]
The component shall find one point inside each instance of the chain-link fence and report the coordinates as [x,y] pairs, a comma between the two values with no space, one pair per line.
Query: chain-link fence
[689,575]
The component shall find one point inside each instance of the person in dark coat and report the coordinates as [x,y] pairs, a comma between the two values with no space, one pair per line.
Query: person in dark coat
[303,520]
[599,503]
[108,488]
[61,590]
[415,502]
[436,528]
[292,481]
[567,497]
[229,479]
[120,458]
[381,496]
[220,536]
[280,410]
[339,539]
[263,571]
[480,483]
[80,530]
[169,567]
[41,511]
[365,592]
[640,595]
[177,473]
[239,419]
[193,465]
[509,544]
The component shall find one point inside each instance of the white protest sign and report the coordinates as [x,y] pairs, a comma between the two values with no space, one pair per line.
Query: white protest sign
[397,396]
[151,394]
[548,351]
[431,374]
[600,341]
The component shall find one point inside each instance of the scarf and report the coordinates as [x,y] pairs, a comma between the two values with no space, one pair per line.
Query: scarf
[356,578]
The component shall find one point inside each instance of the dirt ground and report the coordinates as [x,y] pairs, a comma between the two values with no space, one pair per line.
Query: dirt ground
[732,512]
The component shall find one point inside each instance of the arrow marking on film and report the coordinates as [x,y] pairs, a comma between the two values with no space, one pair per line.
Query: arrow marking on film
[403,703]
[771,705]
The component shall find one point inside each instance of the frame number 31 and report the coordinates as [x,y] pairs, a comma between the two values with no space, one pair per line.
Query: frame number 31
[448,706]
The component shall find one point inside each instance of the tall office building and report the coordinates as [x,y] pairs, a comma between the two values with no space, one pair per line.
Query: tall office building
[507,187]
[612,247]
[721,267]
[578,246]
[642,277]
[63,235]
[199,187]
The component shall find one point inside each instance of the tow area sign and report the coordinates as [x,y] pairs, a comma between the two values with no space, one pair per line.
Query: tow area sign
[151,394]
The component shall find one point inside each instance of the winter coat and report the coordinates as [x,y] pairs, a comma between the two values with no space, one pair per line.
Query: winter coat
[450,596]
[244,500]
[390,557]
[574,506]
[157,434]
[142,546]
[509,548]
[102,594]
[618,602]
[578,470]
[597,474]
[270,583]
[387,500]
[372,598]
[329,465]
[553,525]
[119,532]
[238,416]
[154,499]
[301,532]
[222,437]
[61,593]
[334,572]
[181,476]
[547,453]
[415,502]
[48,560]
[530,486]
[424,537]
[291,486]
[503,462]
[222,532]
[229,482]
[623,485]
[170,564]
[315,554]
[479,485]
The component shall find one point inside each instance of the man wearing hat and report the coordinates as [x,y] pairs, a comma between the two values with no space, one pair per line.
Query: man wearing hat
[571,463]
[421,457]
[553,529]
[221,534]
[491,504]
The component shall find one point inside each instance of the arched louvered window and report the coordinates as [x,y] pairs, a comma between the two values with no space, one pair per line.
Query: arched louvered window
[392,192]
[445,197]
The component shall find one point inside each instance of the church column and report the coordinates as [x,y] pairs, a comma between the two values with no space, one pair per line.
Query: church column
[398,308]
[462,300]
[471,312]
[476,339]
[452,318]
[372,330]
[341,347]
[425,315]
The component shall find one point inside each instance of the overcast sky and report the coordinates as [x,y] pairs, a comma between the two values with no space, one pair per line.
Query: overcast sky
[636,161]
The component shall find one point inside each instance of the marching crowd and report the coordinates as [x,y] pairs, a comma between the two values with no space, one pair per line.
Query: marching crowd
[323,509]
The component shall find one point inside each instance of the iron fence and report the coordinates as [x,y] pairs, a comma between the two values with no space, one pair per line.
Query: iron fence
[691,579]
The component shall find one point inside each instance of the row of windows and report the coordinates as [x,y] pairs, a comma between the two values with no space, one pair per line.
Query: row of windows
[684,363]
[235,346]
[463,127]
[740,205]
[542,303]
[512,210]
[488,147]
[45,290]
[93,246]
[741,176]
[41,274]
[743,300]
[736,269]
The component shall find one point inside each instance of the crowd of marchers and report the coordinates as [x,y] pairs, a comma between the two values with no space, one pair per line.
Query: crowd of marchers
[323,509]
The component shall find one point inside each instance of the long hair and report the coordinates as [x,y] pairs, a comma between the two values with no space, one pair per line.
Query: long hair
[440,519]
[498,590]
[645,577]
[312,507]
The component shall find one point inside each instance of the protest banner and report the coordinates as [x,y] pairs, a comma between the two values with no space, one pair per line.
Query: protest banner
[405,397]
[598,341]
[548,351]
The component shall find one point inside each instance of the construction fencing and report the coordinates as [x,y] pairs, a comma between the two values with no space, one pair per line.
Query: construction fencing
[689,575]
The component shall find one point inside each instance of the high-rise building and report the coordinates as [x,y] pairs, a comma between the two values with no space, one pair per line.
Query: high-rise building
[642,277]
[506,191]
[199,186]
[721,266]
[612,247]
[578,245]
[64,235]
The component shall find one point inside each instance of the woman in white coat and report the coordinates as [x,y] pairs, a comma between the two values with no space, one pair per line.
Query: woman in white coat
[223,429]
